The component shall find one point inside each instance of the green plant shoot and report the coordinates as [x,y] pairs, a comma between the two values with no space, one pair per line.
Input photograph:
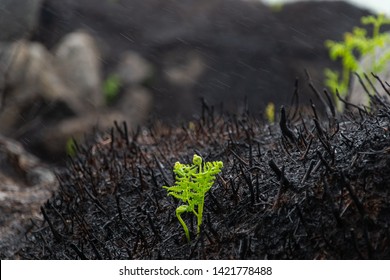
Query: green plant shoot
[357,44]
[193,181]
[270,112]
[111,88]
[70,147]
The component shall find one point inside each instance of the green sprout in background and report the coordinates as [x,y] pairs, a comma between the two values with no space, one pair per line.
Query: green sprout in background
[193,181]
[270,112]
[357,45]
[70,147]
[276,7]
[111,88]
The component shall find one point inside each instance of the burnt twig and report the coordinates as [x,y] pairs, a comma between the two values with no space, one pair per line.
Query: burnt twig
[286,131]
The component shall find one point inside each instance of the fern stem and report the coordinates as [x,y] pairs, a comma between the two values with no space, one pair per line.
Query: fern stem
[200,216]
[179,211]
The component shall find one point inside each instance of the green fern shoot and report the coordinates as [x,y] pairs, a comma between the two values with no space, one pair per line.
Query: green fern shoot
[193,181]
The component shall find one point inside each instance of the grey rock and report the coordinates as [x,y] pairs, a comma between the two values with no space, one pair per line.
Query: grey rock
[183,70]
[42,90]
[133,69]
[77,58]
[18,18]
[25,184]
[31,78]
[136,103]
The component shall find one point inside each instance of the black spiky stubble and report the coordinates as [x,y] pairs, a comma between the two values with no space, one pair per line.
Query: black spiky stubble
[310,188]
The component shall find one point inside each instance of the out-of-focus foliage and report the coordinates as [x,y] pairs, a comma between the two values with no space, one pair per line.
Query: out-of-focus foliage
[357,44]
[270,112]
[70,147]
[111,88]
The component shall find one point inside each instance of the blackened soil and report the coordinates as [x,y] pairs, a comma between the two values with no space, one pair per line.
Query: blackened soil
[304,189]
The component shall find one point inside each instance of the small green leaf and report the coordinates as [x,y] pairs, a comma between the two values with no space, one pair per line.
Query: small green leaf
[111,88]
[70,147]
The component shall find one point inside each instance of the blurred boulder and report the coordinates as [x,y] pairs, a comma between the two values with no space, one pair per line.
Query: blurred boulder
[133,69]
[25,184]
[136,103]
[42,91]
[73,75]
[77,59]
[135,100]
[31,80]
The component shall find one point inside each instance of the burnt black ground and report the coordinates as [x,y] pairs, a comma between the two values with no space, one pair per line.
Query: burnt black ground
[302,189]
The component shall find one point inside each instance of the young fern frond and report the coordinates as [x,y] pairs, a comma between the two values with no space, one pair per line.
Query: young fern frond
[192,183]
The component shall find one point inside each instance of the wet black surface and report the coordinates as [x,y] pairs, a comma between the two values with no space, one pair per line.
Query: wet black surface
[306,188]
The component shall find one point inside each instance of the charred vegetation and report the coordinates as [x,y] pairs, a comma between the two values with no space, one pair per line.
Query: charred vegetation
[309,187]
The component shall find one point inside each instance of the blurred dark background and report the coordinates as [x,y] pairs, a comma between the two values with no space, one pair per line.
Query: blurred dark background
[67,66]
[223,50]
